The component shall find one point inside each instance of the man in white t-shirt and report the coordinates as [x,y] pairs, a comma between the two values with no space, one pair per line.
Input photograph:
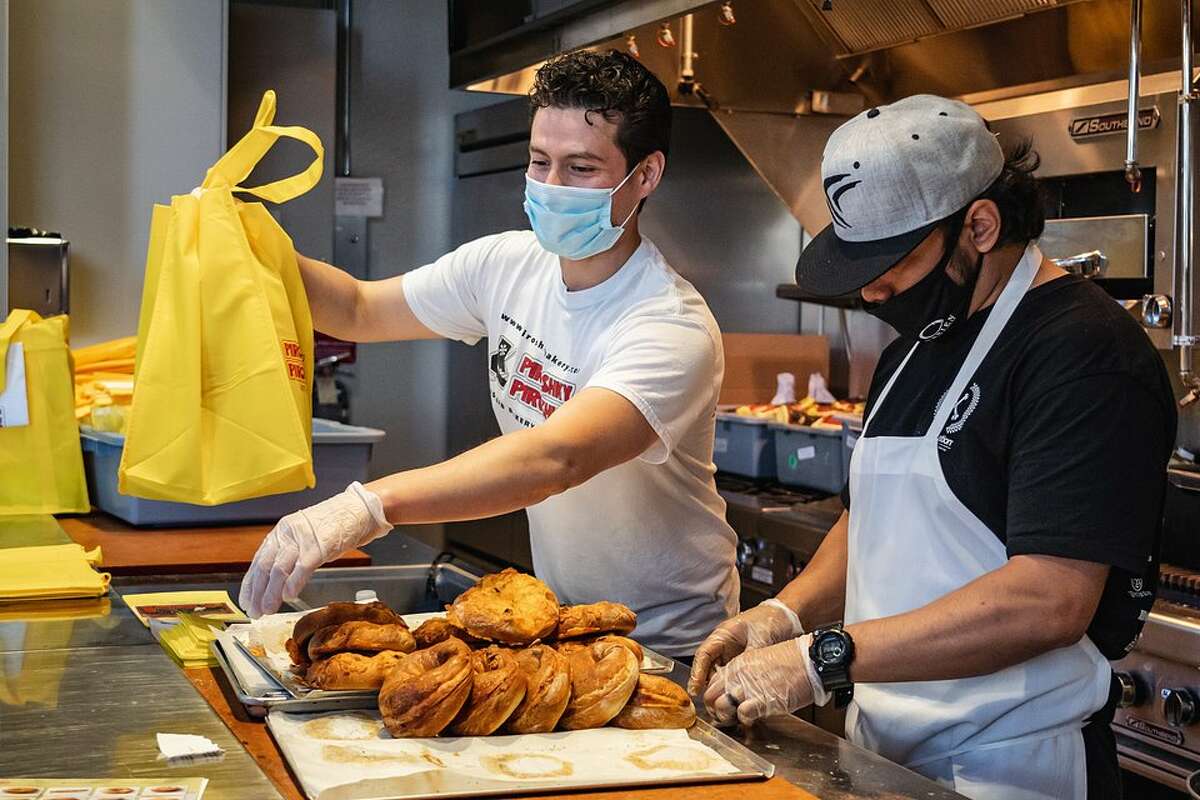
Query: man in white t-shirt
[604,371]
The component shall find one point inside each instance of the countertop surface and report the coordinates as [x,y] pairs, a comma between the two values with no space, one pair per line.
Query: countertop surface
[155,551]
[84,688]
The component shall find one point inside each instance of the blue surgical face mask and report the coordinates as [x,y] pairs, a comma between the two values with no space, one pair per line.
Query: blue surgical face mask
[572,221]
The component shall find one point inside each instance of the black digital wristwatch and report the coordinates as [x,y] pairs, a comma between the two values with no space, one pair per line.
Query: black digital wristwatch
[831,652]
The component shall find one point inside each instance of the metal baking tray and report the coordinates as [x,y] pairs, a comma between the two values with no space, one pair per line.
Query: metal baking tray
[258,703]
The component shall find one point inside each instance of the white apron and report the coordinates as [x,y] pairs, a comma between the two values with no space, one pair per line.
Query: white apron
[1011,735]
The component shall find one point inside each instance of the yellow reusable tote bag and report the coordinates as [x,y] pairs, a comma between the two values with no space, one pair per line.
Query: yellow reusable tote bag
[222,398]
[41,464]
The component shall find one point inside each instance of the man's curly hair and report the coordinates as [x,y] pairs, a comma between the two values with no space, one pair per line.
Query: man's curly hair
[614,85]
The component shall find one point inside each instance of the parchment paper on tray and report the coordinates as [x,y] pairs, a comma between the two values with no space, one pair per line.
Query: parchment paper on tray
[349,755]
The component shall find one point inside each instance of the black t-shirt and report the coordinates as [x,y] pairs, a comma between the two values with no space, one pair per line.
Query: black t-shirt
[1060,443]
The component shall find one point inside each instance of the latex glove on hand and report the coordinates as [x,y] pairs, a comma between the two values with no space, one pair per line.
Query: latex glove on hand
[766,682]
[767,623]
[306,539]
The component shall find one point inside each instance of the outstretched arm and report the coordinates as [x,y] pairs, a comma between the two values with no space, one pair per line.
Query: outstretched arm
[359,311]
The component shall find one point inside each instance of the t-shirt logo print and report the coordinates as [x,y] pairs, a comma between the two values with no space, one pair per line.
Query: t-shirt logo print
[499,361]
[834,190]
[536,387]
[964,408]
[936,328]
[962,411]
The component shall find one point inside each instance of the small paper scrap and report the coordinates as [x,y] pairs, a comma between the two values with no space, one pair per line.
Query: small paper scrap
[186,745]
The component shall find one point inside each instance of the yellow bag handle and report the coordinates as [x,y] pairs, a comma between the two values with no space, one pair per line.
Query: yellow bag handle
[16,319]
[233,167]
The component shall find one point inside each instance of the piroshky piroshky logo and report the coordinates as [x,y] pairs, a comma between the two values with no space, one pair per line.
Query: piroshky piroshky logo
[537,388]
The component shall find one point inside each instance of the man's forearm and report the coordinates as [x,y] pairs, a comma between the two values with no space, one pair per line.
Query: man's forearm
[505,474]
[1031,605]
[593,431]
[818,593]
[332,296]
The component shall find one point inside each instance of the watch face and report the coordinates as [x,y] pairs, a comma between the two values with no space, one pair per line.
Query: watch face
[831,648]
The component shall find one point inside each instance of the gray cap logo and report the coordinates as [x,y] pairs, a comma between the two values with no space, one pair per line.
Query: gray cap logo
[893,169]
[834,189]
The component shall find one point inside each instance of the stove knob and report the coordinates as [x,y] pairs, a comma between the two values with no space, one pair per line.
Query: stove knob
[1133,692]
[1179,707]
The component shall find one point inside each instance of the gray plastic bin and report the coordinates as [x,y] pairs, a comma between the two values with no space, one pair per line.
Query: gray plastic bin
[341,454]
[744,446]
[810,457]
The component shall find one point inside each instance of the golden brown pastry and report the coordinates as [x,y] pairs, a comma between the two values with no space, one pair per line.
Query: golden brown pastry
[571,645]
[508,607]
[657,702]
[427,690]
[549,688]
[362,637]
[594,618]
[333,615]
[603,677]
[626,642]
[498,688]
[438,629]
[345,671]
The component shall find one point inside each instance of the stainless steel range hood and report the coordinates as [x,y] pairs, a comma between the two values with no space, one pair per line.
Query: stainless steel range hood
[768,77]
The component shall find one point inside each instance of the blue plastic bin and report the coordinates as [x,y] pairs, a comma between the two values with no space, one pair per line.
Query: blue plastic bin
[813,458]
[341,454]
[744,446]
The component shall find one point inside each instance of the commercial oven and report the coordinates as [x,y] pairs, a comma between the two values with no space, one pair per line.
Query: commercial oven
[1096,222]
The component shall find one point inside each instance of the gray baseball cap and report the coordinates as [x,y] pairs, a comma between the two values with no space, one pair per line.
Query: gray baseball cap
[891,175]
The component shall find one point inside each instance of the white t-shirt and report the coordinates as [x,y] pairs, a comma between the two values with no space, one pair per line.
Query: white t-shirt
[650,533]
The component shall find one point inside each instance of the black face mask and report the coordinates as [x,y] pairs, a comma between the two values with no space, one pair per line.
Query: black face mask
[930,308]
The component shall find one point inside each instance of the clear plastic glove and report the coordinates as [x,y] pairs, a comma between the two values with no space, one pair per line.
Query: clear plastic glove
[767,623]
[306,539]
[761,683]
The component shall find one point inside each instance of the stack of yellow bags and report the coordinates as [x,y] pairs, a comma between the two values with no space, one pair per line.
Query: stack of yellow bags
[50,573]
[104,383]
[190,640]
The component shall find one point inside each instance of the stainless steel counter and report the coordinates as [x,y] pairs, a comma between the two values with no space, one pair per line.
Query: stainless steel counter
[84,696]
[828,766]
[93,712]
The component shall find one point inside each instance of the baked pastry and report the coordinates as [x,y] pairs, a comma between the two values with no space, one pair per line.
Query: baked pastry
[657,702]
[594,618]
[549,688]
[508,607]
[571,645]
[603,677]
[626,642]
[333,615]
[438,629]
[498,688]
[426,690]
[344,671]
[362,637]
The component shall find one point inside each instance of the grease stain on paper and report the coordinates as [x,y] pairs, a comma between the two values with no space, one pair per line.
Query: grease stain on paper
[671,757]
[345,727]
[528,766]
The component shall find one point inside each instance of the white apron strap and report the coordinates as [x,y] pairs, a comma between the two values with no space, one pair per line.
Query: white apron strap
[1002,311]
[888,388]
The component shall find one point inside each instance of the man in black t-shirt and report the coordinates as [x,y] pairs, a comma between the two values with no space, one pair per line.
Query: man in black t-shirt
[1005,498]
